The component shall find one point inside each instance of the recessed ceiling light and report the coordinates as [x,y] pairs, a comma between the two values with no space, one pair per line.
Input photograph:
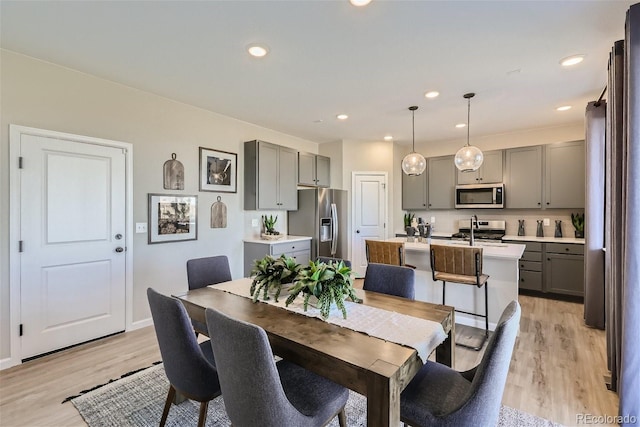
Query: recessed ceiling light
[359,2]
[388,138]
[432,94]
[461,125]
[571,60]
[342,117]
[257,50]
[564,108]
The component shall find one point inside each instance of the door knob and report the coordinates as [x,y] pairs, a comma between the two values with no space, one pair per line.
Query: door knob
[118,236]
[119,249]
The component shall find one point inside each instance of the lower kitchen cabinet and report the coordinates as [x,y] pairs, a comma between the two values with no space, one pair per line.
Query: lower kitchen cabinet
[298,249]
[553,268]
[564,269]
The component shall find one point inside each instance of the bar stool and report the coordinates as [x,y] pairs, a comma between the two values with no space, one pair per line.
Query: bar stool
[382,252]
[461,264]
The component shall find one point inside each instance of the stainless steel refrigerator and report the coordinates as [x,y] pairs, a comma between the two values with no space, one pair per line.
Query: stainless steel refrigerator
[321,214]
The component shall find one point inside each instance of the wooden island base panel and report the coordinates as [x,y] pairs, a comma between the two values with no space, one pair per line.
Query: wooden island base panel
[375,368]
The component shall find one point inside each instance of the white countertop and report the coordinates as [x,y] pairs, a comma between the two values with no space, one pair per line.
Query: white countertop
[490,249]
[284,239]
[549,239]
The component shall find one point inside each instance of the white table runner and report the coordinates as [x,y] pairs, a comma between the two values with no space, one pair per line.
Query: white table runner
[421,334]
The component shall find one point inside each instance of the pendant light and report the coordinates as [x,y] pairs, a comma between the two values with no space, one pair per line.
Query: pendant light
[413,163]
[469,158]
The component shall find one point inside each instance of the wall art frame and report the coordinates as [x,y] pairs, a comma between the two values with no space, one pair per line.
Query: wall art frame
[172,218]
[218,171]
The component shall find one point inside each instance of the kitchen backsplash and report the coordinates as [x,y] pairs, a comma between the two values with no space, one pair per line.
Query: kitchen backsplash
[447,221]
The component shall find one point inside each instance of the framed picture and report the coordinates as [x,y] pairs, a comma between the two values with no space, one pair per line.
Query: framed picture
[218,170]
[172,218]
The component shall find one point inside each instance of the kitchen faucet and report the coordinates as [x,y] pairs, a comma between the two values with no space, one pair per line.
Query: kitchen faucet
[471,238]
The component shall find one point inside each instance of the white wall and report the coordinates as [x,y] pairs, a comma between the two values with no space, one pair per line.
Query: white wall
[42,95]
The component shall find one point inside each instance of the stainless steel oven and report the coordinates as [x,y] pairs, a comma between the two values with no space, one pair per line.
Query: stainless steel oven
[480,196]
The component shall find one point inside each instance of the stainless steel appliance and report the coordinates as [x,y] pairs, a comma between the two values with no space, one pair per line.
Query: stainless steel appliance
[486,230]
[321,214]
[480,196]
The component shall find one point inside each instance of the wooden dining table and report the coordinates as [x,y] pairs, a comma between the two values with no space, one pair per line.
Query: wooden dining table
[373,367]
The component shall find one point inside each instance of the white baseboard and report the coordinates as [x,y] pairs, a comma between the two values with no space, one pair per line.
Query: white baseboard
[8,363]
[140,324]
[473,321]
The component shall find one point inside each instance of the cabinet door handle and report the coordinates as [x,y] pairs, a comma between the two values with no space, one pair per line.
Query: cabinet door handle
[522,279]
[539,203]
[548,203]
[566,249]
[548,259]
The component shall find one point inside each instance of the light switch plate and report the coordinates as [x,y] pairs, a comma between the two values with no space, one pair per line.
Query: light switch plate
[546,222]
[254,223]
[433,219]
[141,227]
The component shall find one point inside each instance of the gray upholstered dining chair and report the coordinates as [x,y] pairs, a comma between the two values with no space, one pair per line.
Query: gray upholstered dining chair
[259,392]
[390,279]
[327,260]
[441,396]
[206,271]
[190,367]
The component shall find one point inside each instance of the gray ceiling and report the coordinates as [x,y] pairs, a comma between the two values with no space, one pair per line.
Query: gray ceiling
[328,57]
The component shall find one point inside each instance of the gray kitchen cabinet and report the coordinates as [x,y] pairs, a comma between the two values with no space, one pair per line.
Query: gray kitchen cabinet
[565,175]
[523,177]
[490,172]
[300,250]
[564,268]
[314,170]
[441,182]
[414,192]
[270,176]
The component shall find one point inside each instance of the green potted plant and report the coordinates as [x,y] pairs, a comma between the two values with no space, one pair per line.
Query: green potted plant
[269,224]
[269,274]
[578,223]
[328,282]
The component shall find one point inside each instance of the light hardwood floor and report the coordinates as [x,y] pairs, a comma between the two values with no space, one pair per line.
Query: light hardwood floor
[556,371]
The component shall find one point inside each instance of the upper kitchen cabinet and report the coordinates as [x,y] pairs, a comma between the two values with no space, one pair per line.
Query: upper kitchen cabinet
[564,175]
[441,182]
[314,170]
[414,192]
[523,177]
[270,176]
[490,172]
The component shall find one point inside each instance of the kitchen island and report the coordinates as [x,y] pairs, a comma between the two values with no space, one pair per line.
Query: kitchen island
[500,262]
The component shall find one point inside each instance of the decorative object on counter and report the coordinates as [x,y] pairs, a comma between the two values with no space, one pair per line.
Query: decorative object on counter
[329,283]
[558,232]
[172,218]
[411,232]
[539,230]
[173,172]
[218,214]
[425,233]
[269,274]
[218,170]
[578,223]
[521,227]
[408,218]
[414,164]
[269,223]
[469,158]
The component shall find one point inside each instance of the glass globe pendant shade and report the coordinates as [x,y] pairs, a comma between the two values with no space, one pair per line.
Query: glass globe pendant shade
[414,164]
[469,158]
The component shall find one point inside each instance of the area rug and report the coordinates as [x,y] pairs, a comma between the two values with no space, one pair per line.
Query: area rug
[138,400]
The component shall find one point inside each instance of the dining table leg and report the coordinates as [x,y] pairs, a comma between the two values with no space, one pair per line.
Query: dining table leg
[445,352]
[383,395]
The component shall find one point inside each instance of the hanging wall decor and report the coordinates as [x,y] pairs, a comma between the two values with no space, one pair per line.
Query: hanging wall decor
[173,174]
[172,218]
[219,214]
[218,170]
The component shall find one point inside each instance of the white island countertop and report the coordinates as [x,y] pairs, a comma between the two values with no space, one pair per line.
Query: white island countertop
[489,249]
[284,239]
[548,239]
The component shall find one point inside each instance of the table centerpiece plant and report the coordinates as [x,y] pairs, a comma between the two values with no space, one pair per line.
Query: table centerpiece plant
[328,282]
[269,274]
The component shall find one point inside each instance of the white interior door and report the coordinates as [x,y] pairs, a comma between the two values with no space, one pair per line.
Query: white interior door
[72,230]
[370,214]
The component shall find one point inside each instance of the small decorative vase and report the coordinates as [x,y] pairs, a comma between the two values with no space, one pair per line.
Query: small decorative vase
[539,231]
[558,232]
[521,227]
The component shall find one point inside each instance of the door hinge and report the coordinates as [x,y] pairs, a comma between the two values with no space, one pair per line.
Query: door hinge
[20,162]
[384,185]
[21,331]
[20,246]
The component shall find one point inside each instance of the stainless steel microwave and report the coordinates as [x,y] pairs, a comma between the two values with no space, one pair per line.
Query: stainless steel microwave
[479,196]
